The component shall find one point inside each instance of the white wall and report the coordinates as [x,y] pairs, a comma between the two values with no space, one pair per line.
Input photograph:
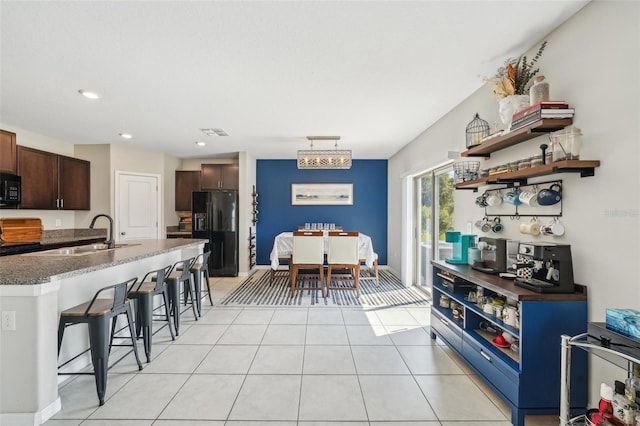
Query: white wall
[171,164]
[100,158]
[592,62]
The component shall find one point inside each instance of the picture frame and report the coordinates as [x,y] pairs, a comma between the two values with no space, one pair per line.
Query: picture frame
[309,194]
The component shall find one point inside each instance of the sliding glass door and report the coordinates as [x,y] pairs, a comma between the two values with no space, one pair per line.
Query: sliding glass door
[433,197]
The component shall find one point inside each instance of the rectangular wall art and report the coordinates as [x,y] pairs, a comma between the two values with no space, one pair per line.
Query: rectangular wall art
[306,194]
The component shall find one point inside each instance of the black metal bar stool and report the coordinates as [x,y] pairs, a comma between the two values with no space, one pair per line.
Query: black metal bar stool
[143,295]
[180,276]
[100,315]
[200,268]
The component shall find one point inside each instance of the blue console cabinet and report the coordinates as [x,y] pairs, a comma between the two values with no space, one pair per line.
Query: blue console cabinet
[528,380]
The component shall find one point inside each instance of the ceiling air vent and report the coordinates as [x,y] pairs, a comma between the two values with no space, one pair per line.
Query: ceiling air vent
[215,132]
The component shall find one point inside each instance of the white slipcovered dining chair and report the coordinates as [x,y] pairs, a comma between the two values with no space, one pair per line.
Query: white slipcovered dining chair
[368,273]
[342,253]
[308,253]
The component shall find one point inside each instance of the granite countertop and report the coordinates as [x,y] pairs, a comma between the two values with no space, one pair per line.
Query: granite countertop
[38,268]
[174,231]
[51,237]
[185,234]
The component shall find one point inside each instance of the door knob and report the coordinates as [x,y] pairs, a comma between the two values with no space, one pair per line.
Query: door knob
[123,233]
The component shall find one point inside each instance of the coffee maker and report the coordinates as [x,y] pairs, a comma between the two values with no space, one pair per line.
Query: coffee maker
[493,255]
[545,267]
[459,247]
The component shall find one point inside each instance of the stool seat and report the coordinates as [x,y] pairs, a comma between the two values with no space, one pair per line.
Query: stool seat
[98,307]
[175,275]
[145,288]
[193,268]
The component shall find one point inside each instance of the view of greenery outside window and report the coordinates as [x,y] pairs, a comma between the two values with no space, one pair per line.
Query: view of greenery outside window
[434,199]
[445,206]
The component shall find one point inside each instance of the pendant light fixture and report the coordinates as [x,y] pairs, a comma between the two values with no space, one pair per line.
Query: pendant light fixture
[324,159]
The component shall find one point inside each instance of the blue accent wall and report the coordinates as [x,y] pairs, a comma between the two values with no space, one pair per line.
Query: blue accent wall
[368,214]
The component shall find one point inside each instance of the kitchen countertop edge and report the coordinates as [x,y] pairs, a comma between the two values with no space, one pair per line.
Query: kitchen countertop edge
[507,287]
[44,269]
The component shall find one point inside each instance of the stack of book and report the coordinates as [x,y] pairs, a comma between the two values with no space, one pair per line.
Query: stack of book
[540,110]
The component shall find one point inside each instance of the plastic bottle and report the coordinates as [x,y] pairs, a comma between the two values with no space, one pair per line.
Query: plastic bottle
[632,384]
[619,401]
[606,395]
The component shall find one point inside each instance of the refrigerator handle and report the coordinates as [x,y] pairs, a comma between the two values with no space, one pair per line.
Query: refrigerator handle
[209,217]
[221,253]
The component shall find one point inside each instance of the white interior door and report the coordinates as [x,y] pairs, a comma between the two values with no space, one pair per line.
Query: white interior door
[138,206]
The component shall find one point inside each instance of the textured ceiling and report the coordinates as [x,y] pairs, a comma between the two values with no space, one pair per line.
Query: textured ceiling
[269,73]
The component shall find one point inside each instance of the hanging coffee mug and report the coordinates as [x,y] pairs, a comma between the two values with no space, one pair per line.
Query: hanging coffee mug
[481,201]
[550,196]
[532,227]
[494,199]
[478,223]
[512,197]
[485,225]
[530,198]
[496,226]
[554,227]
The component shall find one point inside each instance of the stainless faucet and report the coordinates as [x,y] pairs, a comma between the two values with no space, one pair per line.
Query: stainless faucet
[109,242]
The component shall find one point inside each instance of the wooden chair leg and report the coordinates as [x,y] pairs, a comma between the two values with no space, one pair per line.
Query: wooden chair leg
[293,272]
[375,268]
[356,277]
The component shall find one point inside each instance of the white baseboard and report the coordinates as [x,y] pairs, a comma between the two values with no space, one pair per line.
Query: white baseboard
[35,419]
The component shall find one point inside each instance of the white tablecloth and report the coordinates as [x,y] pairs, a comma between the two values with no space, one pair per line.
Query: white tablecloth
[283,247]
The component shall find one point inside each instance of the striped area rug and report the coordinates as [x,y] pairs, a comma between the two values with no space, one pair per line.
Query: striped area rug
[257,290]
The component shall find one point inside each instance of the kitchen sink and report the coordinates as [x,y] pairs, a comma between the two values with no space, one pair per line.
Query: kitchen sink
[78,250]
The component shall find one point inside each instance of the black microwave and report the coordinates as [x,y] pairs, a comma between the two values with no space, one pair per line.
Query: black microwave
[10,190]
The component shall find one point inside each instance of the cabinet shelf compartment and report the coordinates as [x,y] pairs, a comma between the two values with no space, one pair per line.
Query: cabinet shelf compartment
[492,319]
[514,137]
[512,358]
[586,168]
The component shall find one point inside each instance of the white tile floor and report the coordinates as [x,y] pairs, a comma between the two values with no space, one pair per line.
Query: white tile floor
[291,366]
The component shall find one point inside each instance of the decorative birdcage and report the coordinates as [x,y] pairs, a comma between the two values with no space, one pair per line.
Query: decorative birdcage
[477,130]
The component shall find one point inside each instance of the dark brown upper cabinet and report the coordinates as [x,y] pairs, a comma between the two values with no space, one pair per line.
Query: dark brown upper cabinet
[220,176]
[53,182]
[8,155]
[187,181]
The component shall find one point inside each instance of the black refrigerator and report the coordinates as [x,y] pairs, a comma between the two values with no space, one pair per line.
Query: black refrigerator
[215,218]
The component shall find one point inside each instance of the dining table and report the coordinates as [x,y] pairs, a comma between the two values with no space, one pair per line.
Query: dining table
[283,247]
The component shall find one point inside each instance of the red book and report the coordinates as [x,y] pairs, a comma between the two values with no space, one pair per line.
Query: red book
[541,105]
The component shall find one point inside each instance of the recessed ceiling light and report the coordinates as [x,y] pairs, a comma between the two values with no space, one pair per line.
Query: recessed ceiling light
[125,135]
[89,94]
[200,143]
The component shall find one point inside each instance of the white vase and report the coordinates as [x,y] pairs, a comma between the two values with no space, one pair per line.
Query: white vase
[511,104]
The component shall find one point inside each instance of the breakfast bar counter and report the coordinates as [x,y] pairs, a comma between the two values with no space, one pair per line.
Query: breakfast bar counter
[34,289]
[43,267]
